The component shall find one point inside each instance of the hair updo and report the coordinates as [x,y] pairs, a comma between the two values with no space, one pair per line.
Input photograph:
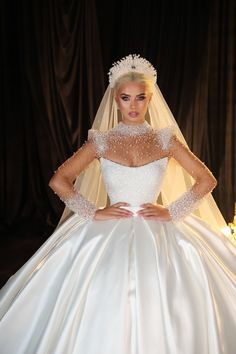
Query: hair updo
[133,76]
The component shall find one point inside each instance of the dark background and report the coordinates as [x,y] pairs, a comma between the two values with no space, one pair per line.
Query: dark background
[55,56]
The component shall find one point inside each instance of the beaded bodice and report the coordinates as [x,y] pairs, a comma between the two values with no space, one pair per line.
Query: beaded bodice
[133,185]
[132,146]
[133,161]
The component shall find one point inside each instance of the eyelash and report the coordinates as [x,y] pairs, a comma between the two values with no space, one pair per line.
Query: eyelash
[140,98]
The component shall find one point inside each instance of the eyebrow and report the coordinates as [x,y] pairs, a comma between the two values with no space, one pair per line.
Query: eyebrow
[125,94]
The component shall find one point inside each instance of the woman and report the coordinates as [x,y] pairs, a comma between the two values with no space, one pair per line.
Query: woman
[134,272]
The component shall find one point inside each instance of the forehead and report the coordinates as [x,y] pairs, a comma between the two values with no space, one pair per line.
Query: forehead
[132,88]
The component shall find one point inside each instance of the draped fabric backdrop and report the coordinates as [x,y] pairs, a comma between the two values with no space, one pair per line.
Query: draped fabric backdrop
[55,58]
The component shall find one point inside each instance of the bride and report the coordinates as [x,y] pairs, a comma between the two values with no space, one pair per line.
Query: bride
[138,264]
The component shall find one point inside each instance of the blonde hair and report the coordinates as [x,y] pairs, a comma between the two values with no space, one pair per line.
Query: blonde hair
[134,76]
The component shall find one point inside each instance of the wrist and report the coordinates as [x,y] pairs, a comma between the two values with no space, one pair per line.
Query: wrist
[183,206]
[80,205]
[168,215]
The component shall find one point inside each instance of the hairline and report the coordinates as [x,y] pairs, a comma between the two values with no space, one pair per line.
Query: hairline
[134,77]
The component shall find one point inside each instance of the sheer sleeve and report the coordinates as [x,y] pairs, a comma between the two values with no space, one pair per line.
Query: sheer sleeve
[204,180]
[63,181]
[99,140]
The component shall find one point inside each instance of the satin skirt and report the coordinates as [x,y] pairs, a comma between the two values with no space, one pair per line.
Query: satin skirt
[127,286]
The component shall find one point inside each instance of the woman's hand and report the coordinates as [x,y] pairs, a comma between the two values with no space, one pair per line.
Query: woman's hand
[154,211]
[114,211]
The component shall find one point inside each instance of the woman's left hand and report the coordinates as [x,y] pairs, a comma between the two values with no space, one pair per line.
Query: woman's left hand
[154,211]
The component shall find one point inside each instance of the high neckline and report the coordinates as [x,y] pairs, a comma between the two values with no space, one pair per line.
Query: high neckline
[128,129]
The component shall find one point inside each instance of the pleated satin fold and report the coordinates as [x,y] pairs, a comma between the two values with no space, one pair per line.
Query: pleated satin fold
[127,286]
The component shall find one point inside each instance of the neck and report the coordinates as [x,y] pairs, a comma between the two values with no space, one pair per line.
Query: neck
[133,124]
[132,129]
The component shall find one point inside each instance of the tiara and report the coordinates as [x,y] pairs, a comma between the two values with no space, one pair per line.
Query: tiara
[132,62]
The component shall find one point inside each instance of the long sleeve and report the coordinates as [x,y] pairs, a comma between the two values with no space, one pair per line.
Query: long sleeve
[64,177]
[204,180]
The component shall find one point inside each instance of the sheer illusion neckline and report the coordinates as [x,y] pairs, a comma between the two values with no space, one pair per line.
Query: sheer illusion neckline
[134,167]
[126,129]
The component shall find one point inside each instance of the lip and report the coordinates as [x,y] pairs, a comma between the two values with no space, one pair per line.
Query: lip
[133,114]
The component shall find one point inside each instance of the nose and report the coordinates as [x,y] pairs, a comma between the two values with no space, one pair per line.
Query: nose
[132,104]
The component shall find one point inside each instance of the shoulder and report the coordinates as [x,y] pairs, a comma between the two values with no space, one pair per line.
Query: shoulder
[165,136]
[94,134]
[99,139]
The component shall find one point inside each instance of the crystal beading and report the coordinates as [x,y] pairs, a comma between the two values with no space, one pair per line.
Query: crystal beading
[165,136]
[132,62]
[184,205]
[124,139]
[99,139]
[125,129]
[80,205]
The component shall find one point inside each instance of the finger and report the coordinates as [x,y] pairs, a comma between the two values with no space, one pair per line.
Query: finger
[113,213]
[118,216]
[123,210]
[143,210]
[123,213]
[119,211]
[148,213]
[147,205]
[152,218]
[148,210]
[119,204]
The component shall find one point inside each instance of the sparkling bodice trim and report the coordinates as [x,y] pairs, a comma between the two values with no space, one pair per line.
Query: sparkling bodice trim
[131,130]
[123,137]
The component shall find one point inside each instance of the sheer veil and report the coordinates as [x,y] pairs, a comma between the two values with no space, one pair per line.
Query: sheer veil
[158,116]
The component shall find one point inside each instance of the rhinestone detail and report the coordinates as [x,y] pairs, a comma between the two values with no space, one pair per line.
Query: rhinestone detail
[132,62]
[184,205]
[80,205]
[126,129]
[142,139]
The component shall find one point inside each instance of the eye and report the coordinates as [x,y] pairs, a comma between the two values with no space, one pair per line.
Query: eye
[141,98]
[125,98]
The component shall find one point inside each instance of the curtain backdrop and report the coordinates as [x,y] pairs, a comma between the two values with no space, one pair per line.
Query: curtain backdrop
[54,64]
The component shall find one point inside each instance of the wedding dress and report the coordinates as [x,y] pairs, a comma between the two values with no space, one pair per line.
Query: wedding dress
[125,286]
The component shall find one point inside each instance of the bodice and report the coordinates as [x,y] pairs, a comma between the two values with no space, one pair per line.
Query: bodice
[133,185]
[133,163]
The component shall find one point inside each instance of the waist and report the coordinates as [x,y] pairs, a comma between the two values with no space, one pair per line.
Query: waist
[134,209]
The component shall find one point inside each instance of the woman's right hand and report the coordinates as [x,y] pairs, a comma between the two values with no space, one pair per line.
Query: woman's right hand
[114,211]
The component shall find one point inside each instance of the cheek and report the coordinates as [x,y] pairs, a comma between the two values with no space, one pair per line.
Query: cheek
[122,105]
[144,105]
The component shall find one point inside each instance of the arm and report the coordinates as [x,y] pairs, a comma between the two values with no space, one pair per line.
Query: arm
[204,180]
[64,177]
[62,184]
[189,201]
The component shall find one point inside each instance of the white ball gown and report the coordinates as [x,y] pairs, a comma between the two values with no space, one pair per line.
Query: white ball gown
[124,286]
